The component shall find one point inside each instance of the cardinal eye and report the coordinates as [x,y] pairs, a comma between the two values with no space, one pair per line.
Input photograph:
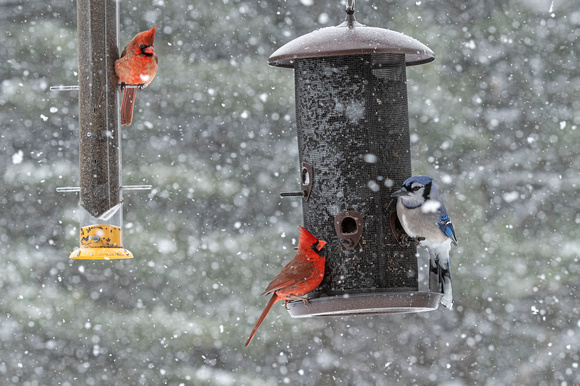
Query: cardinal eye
[142,46]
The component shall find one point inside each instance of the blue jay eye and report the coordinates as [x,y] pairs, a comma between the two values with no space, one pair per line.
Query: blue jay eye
[416,188]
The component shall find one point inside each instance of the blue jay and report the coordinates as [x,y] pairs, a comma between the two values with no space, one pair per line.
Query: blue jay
[424,217]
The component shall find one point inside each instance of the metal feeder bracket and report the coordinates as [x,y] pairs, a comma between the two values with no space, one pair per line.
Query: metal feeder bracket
[306,179]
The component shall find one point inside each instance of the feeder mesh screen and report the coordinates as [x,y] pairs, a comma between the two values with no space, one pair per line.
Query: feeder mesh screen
[353,128]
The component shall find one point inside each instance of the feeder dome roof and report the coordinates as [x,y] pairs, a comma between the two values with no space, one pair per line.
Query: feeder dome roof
[351,38]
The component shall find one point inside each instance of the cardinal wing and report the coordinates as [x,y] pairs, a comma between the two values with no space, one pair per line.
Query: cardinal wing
[295,272]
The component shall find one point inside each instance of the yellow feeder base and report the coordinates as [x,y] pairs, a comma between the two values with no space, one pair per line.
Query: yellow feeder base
[101,242]
[101,253]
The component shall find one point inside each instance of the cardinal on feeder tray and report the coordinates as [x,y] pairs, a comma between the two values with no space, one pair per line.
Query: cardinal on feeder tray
[137,66]
[299,277]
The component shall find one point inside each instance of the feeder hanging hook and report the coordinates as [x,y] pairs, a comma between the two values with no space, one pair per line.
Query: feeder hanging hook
[350,13]
[350,6]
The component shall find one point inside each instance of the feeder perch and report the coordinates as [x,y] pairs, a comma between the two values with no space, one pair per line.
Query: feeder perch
[353,135]
[349,228]
[100,191]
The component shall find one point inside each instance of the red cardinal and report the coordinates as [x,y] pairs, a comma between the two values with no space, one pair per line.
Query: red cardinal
[299,277]
[137,66]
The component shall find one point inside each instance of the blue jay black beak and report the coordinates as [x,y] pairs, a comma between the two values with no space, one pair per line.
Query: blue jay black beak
[399,193]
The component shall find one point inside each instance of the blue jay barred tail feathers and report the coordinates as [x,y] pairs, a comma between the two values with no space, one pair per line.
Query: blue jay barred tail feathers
[440,273]
[424,217]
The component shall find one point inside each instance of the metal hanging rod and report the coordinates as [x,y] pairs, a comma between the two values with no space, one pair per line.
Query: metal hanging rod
[68,189]
[64,88]
[76,189]
[292,194]
[350,5]
[76,88]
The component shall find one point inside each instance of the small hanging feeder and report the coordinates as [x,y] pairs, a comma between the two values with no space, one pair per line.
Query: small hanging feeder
[101,204]
[354,150]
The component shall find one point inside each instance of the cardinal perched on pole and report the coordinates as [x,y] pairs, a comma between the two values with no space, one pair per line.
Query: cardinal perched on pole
[137,66]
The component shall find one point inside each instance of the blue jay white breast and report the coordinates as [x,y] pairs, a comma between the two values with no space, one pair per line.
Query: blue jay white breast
[422,214]
[424,217]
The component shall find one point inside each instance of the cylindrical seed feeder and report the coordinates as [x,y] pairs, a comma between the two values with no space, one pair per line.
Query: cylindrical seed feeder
[354,149]
[99,134]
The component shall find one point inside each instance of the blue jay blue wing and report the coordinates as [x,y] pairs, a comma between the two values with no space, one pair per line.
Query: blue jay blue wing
[446,226]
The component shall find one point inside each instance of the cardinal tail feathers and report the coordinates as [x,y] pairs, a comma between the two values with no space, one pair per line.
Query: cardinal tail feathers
[273,300]
[127,106]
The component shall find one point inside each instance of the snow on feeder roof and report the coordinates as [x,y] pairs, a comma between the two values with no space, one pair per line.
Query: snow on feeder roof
[351,38]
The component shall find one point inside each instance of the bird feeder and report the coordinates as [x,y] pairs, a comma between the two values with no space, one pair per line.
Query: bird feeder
[101,205]
[354,151]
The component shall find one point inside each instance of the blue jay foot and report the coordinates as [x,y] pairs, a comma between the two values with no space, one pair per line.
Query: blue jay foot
[406,240]
[124,85]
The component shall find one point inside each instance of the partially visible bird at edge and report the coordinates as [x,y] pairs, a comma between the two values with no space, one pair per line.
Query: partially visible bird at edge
[424,217]
[299,277]
[137,66]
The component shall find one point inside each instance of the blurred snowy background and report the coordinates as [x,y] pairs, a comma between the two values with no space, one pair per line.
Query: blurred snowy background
[495,119]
